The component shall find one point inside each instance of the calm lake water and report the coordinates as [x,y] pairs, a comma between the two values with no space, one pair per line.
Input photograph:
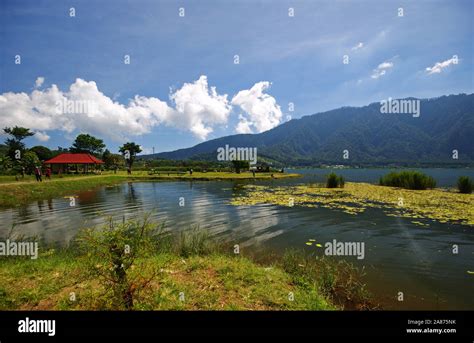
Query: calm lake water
[399,256]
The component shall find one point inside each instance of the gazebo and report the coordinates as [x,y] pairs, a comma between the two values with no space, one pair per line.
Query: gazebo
[62,161]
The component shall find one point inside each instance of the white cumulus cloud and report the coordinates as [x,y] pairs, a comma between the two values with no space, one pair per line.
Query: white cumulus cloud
[198,108]
[381,69]
[41,136]
[243,126]
[439,66]
[261,110]
[39,82]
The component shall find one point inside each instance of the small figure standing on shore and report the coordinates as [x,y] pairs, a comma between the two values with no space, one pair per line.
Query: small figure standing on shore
[48,173]
[191,171]
[38,174]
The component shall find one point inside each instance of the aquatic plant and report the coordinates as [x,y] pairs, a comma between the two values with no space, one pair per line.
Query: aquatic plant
[409,180]
[334,181]
[465,185]
[436,204]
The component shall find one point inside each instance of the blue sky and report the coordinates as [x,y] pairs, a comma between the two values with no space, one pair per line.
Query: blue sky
[282,59]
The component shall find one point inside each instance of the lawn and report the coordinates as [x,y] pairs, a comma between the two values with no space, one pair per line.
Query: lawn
[160,269]
[214,282]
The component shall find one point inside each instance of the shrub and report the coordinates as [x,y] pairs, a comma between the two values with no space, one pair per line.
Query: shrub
[408,179]
[339,281]
[465,184]
[112,253]
[334,181]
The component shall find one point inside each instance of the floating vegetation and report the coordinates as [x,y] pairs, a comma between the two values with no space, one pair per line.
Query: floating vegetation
[311,241]
[419,223]
[436,204]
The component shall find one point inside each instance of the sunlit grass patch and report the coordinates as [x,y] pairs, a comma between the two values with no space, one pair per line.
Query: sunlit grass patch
[171,271]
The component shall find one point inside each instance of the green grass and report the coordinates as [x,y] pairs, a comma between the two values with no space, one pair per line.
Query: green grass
[208,274]
[17,194]
[212,282]
[14,193]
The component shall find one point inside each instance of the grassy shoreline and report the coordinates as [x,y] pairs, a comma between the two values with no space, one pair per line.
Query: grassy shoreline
[17,193]
[186,271]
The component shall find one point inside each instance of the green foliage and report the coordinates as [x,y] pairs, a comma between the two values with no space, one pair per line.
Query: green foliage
[159,266]
[158,164]
[112,161]
[129,150]
[194,242]
[339,281]
[42,152]
[29,161]
[408,179]
[112,251]
[86,143]
[15,144]
[19,133]
[6,165]
[334,181]
[240,165]
[465,185]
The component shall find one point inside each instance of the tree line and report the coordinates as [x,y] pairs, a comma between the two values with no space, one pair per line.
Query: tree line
[17,158]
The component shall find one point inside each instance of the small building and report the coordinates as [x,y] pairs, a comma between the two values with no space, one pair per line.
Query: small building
[261,167]
[62,163]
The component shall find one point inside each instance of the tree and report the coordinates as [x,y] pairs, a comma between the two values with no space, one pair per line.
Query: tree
[129,150]
[15,144]
[3,150]
[6,164]
[19,133]
[86,143]
[42,152]
[29,161]
[111,161]
[106,157]
[238,165]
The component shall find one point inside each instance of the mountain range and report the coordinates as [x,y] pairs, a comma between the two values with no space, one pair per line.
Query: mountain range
[364,135]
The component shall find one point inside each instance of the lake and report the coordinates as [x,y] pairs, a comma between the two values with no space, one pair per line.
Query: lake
[399,256]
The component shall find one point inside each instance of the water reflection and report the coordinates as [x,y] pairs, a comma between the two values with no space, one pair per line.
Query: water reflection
[399,255]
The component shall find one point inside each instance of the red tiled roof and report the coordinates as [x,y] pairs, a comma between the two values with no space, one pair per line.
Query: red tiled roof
[74,159]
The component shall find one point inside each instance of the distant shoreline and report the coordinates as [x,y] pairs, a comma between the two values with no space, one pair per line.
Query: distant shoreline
[17,193]
[382,167]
